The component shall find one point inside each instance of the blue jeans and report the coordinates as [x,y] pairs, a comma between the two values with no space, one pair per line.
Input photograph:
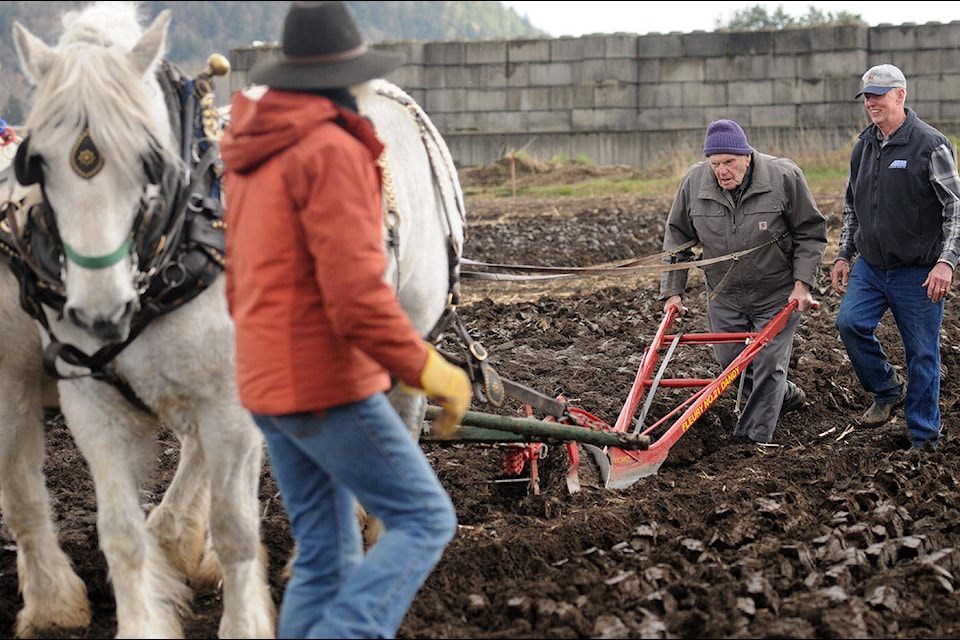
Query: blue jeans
[870,292]
[323,463]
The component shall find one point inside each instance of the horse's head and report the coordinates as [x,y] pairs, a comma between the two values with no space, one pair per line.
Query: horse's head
[98,140]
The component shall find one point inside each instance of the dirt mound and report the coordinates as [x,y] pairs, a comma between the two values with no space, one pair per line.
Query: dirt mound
[526,171]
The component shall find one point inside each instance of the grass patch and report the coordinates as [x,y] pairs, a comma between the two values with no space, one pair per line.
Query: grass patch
[825,172]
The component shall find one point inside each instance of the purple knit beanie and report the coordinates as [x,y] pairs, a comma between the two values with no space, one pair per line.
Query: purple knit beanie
[726,136]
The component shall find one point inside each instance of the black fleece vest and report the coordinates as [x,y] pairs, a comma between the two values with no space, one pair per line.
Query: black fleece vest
[900,217]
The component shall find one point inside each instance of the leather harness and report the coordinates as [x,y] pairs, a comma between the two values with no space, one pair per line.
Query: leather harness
[179,238]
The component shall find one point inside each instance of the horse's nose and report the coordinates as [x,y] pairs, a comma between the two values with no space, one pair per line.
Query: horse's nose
[112,327]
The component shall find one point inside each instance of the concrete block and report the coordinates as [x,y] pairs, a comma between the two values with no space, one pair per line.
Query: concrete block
[444,100]
[787,91]
[486,100]
[528,98]
[411,50]
[486,52]
[557,121]
[750,42]
[894,38]
[750,92]
[561,98]
[683,70]
[648,71]
[686,118]
[773,115]
[409,78]
[703,94]
[528,50]
[621,46]
[662,96]
[703,45]
[603,119]
[445,53]
[656,46]
[577,49]
[551,73]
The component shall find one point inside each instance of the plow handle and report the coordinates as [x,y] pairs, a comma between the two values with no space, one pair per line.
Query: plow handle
[644,372]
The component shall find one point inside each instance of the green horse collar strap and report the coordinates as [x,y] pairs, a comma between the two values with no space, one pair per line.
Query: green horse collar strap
[98,262]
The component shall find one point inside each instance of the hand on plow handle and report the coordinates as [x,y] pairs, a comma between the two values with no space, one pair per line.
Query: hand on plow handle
[450,386]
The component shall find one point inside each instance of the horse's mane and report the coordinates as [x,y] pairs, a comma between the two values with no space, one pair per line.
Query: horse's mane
[109,24]
[91,85]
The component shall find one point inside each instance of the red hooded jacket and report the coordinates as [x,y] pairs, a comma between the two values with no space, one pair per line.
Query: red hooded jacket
[316,324]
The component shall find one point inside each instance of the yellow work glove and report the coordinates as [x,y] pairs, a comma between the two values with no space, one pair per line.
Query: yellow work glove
[450,386]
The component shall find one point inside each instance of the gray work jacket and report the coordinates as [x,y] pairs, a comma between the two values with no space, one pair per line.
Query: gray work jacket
[777,213]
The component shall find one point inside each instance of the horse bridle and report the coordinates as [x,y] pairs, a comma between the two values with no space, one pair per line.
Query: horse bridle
[176,240]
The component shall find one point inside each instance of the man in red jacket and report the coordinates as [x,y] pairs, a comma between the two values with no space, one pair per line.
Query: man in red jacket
[318,333]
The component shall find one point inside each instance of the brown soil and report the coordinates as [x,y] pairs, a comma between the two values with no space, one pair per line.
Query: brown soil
[837,531]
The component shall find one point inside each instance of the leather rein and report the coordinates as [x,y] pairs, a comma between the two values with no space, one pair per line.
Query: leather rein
[652,263]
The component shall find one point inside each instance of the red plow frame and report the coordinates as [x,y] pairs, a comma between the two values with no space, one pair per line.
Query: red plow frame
[621,467]
[625,452]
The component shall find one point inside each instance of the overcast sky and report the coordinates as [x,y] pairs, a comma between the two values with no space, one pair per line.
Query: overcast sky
[580,18]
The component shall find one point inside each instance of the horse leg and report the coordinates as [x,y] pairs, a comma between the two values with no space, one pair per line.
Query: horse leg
[53,595]
[117,441]
[234,451]
[412,407]
[179,522]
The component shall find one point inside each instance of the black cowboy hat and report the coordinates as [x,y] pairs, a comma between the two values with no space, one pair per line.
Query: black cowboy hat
[322,49]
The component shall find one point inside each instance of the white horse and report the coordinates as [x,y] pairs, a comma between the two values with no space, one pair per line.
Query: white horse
[118,261]
[101,104]
[424,219]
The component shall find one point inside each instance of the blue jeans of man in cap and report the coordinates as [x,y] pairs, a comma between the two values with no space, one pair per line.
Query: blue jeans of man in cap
[322,464]
[870,292]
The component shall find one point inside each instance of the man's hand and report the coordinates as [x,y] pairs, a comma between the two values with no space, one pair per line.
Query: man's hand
[674,301]
[938,281]
[840,275]
[449,385]
[801,293]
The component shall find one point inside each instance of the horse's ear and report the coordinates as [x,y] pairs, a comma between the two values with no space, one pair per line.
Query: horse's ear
[27,167]
[148,50]
[35,56]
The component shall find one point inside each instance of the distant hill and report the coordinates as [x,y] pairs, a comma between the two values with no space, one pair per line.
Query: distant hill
[201,28]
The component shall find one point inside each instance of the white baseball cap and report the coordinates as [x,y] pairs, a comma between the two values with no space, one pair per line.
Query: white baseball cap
[880,79]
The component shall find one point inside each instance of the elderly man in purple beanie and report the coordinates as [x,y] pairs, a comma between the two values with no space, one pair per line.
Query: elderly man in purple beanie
[740,200]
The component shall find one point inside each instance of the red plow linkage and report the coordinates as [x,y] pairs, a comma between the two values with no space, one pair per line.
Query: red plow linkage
[628,450]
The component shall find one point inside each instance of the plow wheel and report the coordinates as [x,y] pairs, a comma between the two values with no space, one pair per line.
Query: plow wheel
[515,456]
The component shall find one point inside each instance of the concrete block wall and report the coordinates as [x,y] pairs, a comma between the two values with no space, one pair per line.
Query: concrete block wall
[630,99]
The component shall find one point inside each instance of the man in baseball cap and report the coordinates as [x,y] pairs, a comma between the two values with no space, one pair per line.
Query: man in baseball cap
[880,79]
[899,247]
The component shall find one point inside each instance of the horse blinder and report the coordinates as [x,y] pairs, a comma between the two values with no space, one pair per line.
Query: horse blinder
[27,167]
